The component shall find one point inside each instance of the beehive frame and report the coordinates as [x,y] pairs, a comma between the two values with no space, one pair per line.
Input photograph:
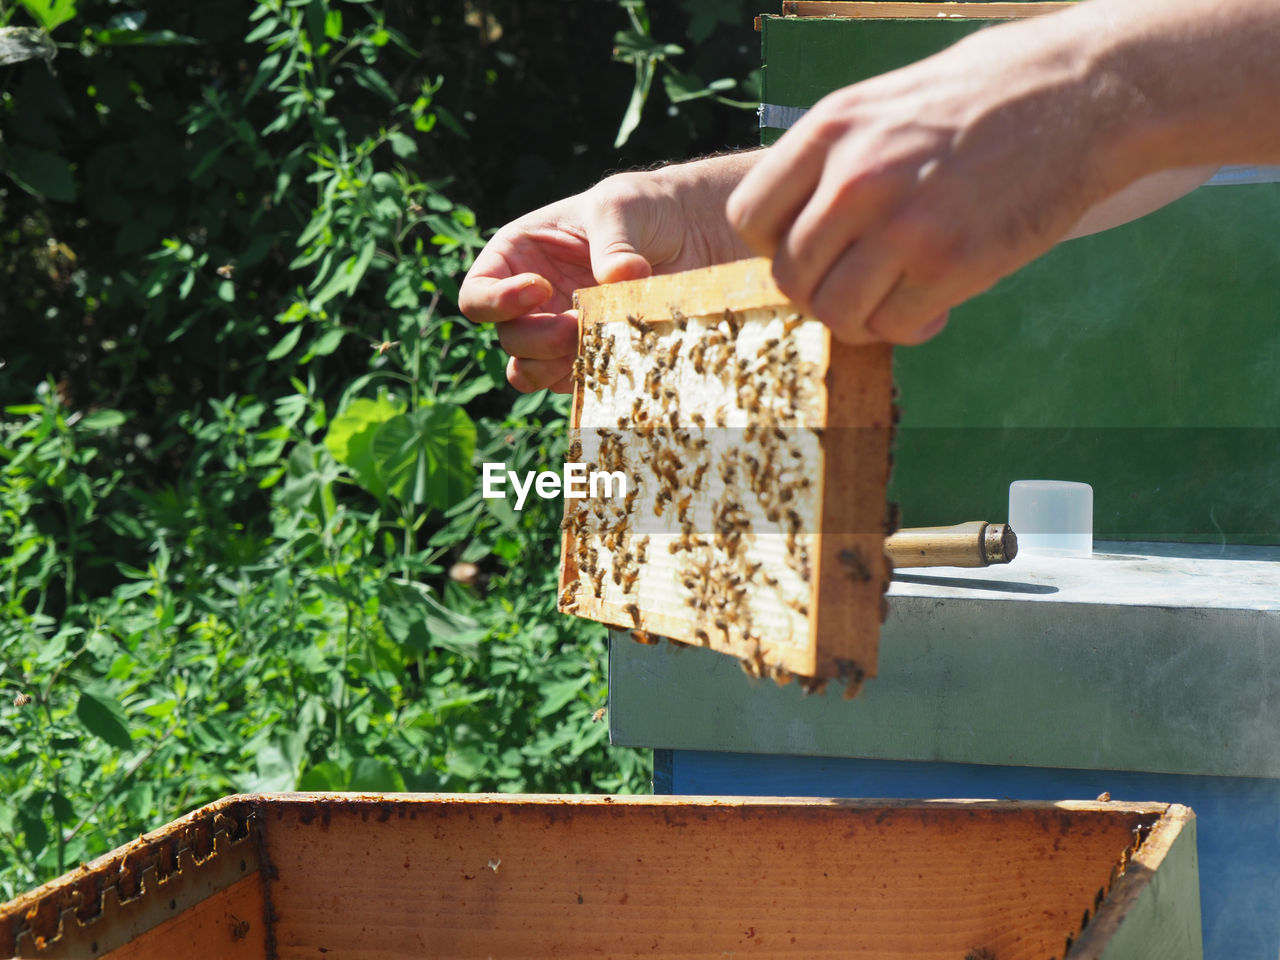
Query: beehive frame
[758,450]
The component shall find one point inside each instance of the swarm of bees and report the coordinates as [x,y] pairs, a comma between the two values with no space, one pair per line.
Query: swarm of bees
[705,416]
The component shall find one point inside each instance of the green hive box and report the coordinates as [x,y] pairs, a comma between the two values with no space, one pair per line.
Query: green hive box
[1144,361]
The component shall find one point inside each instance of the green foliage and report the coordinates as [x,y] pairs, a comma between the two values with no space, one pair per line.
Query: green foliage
[242,416]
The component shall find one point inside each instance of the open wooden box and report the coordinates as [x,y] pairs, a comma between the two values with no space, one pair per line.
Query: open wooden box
[398,876]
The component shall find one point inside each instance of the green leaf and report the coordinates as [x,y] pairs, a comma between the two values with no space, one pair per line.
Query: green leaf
[141,38]
[350,441]
[528,403]
[370,774]
[631,44]
[327,775]
[103,716]
[50,13]
[285,344]
[325,344]
[682,87]
[557,695]
[374,82]
[425,456]
[40,173]
[103,420]
[402,144]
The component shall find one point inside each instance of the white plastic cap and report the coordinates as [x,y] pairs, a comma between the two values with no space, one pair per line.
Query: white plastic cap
[1052,517]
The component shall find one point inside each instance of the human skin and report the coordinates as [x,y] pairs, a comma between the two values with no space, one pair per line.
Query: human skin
[896,198]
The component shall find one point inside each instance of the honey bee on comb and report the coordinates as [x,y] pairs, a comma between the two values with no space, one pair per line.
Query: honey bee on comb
[752,537]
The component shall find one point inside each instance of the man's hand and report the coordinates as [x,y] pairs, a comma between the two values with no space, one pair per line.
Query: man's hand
[899,197]
[626,227]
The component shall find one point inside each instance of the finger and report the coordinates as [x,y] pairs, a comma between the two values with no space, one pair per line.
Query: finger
[763,206]
[564,385]
[547,336]
[530,375]
[495,299]
[839,211]
[860,278]
[912,313]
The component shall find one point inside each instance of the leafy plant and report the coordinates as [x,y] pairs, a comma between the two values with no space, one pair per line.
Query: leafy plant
[242,415]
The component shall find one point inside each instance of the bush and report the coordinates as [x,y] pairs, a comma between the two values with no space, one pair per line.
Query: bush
[247,550]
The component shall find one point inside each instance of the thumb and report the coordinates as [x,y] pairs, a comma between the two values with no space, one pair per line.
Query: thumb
[611,235]
[618,261]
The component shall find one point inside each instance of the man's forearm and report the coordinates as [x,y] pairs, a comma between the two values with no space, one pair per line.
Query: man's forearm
[1200,81]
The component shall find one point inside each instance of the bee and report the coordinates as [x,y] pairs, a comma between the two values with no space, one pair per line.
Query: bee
[625,371]
[642,549]
[579,368]
[697,355]
[629,580]
[682,506]
[721,417]
[703,637]
[21,699]
[660,501]
[680,320]
[697,475]
[575,451]
[638,324]
[568,599]
[855,565]
[239,928]
[793,321]
[227,271]
[768,347]
[673,352]
[381,349]
[597,583]
[640,636]
[598,715]
[734,322]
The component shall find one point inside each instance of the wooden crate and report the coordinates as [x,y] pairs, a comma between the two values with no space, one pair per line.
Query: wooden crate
[356,876]
[757,451]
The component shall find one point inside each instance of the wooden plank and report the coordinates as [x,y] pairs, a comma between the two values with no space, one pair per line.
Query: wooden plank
[480,876]
[1153,911]
[889,10]
[229,925]
[756,450]
[106,904]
